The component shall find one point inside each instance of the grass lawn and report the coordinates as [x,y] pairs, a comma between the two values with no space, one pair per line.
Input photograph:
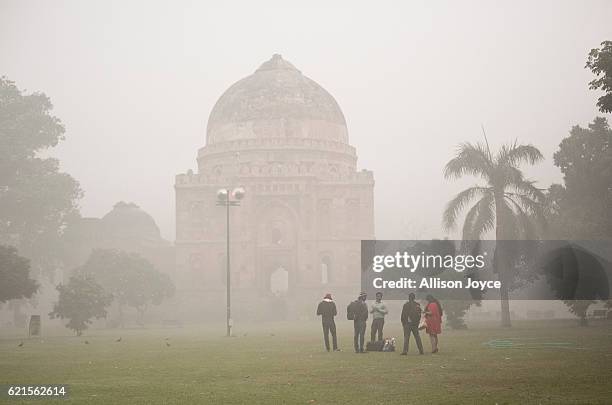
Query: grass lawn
[552,362]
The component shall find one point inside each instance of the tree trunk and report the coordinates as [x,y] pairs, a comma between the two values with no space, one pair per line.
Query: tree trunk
[505,306]
[500,262]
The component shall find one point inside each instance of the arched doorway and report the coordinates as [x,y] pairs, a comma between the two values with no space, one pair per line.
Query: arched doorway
[276,249]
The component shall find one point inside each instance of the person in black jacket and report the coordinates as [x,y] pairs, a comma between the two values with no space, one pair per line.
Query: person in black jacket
[411,316]
[359,315]
[327,310]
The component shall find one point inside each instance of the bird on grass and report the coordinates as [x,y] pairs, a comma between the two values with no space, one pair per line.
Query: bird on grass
[87,342]
[20,344]
[118,340]
[167,344]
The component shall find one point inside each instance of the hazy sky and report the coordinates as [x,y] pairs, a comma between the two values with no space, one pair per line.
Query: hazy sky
[134,83]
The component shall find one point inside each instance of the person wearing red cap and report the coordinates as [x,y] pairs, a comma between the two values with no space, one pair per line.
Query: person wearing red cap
[327,310]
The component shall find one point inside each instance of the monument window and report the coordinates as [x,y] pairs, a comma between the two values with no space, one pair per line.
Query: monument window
[279,281]
[325,270]
[324,274]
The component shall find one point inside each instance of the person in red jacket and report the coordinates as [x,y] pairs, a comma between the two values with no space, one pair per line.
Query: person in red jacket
[433,321]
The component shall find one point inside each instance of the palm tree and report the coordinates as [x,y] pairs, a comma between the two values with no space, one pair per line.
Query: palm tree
[508,203]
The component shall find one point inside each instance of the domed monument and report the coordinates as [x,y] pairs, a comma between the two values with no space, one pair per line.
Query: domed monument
[296,235]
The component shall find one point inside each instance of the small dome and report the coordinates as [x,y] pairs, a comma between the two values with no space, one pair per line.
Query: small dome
[128,221]
[276,101]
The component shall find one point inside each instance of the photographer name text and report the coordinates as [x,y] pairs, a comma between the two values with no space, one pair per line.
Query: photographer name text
[435,283]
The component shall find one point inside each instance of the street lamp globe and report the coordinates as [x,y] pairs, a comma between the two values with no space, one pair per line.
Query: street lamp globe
[222,195]
[238,193]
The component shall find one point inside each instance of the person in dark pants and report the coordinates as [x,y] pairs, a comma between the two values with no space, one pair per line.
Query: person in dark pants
[378,311]
[327,310]
[411,316]
[359,310]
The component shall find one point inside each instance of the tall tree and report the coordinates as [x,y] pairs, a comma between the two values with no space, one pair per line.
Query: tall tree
[507,203]
[15,281]
[600,63]
[130,278]
[36,199]
[81,300]
[582,207]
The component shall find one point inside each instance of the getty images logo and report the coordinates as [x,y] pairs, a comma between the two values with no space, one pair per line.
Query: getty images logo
[412,262]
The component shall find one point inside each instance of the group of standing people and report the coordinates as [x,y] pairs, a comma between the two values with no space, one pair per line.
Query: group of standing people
[413,319]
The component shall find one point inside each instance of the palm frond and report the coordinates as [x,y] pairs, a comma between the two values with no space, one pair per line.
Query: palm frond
[507,175]
[480,219]
[527,188]
[484,134]
[527,228]
[457,204]
[507,214]
[536,210]
[470,160]
[520,209]
[514,155]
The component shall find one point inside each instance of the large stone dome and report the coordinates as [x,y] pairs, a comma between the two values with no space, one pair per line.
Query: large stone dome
[277,101]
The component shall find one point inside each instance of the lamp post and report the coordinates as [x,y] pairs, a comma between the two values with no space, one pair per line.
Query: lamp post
[229,199]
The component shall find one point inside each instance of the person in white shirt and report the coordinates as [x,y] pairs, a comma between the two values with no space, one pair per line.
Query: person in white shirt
[378,311]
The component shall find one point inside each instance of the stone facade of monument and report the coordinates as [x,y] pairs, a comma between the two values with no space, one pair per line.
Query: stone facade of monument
[297,232]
